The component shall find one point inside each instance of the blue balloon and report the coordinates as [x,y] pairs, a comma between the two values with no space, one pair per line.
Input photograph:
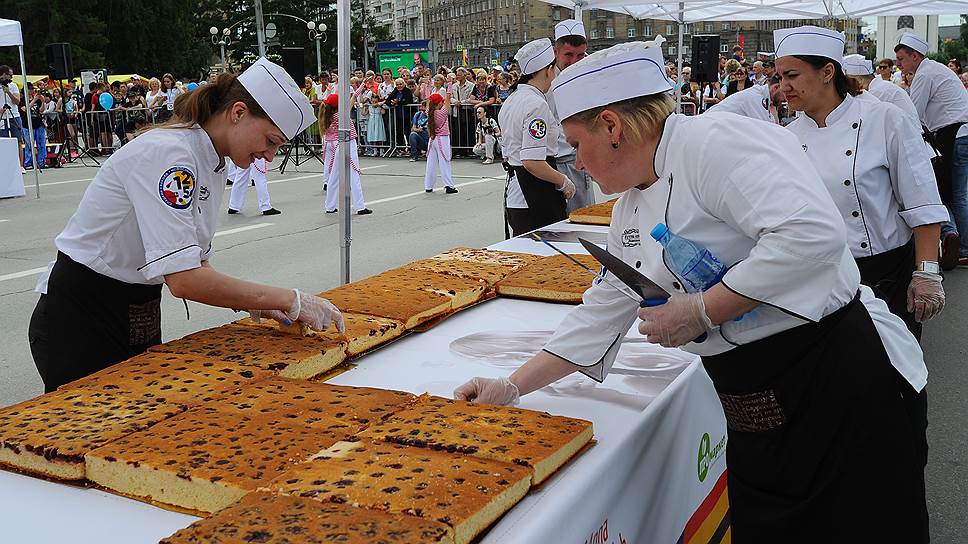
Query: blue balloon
[106,100]
[192,86]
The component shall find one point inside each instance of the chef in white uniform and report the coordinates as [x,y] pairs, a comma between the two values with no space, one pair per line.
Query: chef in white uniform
[149,218]
[870,156]
[942,104]
[806,377]
[756,102]
[570,47]
[536,193]
[240,177]
[861,70]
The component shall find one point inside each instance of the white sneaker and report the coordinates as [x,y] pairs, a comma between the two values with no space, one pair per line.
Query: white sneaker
[488,161]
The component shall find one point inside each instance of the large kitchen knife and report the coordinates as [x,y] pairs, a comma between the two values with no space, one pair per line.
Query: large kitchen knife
[541,239]
[651,293]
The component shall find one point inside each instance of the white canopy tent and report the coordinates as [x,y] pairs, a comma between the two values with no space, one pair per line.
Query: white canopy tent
[10,35]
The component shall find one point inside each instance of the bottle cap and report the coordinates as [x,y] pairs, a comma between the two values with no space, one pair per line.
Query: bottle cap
[659,231]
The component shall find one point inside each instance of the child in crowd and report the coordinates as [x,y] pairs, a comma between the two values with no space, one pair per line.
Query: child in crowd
[438,149]
[328,118]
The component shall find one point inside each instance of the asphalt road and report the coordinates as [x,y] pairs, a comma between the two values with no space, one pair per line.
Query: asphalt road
[300,248]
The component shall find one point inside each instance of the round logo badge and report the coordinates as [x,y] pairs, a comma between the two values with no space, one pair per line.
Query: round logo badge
[538,129]
[177,187]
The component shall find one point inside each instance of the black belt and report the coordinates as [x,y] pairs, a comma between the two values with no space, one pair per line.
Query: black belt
[943,141]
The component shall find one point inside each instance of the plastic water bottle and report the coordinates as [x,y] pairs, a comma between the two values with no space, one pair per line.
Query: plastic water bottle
[693,262]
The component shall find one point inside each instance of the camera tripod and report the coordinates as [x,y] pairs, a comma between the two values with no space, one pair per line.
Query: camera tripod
[293,149]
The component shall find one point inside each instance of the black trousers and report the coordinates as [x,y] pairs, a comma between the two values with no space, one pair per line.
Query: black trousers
[824,440]
[546,204]
[888,274]
[87,322]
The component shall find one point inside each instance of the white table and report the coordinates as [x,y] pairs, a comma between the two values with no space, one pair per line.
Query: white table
[640,481]
[11,172]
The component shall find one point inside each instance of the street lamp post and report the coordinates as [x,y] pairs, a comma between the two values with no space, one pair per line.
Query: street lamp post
[317,33]
[221,39]
[366,56]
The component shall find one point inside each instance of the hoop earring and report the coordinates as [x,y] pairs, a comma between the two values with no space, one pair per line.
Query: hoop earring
[614,145]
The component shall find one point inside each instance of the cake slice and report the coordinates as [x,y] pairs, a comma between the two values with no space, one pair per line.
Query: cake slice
[206,459]
[467,493]
[487,272]
[315,405]
[552,279]
[595,214]
[462,291]
[49,435]
[363,332]
[524,437]
[170,377]
[263,517]
[487,256]
[410,306]
[289,355]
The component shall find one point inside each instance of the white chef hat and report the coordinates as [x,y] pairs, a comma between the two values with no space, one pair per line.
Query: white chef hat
[913,41]
[809,40]
[857,65]
[535,55]
[279,96]
[569,27]
[623,71]
[765,53]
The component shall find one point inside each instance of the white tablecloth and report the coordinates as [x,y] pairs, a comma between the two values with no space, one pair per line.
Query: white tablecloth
[639,483]
[11,174]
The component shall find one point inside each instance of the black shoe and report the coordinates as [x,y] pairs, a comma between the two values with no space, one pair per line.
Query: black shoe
[950,244]
[450,190]
[332,211]
[253,183]
[233,212]
[428,190]
[271,211]
[364,211]
[324,186]
[228,183]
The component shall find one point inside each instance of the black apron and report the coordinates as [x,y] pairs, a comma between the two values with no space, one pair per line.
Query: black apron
[888,274]
[87,322]
[943,141]
[546,204]
[822,446]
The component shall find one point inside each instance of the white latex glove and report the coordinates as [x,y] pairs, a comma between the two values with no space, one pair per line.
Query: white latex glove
[568,188]
[316,312]
[489,391]
[679,321]
[925,296]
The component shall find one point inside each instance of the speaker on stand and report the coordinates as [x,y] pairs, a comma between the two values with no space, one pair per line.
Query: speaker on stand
[60,66]
[705,61]
[294,63]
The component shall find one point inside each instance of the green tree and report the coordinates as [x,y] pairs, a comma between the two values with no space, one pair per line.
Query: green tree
[82,25]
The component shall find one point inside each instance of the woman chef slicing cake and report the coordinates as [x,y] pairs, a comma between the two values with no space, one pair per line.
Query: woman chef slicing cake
[148,219]
[821,446]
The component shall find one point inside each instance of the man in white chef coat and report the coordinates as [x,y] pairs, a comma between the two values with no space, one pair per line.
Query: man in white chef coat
[756,102]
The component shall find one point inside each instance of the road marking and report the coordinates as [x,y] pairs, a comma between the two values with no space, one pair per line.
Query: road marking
[25,273]
[35,271]
[418,193]
[4,220]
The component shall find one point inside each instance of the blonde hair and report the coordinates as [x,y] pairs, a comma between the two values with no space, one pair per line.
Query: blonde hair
[732,65]
[154,80]
[642,117]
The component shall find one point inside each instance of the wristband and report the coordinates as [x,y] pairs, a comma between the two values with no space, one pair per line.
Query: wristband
[296,307]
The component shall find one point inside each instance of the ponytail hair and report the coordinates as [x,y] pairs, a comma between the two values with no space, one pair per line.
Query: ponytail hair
[207,101]
[842,84]
[431,120]
[326,113]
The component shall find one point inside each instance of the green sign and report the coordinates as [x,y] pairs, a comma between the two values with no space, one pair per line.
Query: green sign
[407,59]
[708,454]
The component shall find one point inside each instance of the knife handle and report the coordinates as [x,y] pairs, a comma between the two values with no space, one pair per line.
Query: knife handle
[649,302]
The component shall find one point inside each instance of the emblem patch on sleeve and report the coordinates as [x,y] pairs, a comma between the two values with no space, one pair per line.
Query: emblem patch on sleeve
[177,187]
[537,128]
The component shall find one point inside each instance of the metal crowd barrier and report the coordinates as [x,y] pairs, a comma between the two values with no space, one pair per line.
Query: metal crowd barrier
[397,125]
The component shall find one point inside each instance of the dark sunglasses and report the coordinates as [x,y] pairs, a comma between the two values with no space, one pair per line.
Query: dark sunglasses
[883,67]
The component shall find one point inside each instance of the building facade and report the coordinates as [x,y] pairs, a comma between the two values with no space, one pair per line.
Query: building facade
[889,29]
[404,18]
[493,30]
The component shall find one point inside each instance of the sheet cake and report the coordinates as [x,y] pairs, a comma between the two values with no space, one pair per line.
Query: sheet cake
[363,332]
[263,517]
[49,435]
[462,291]
[206,459]
[411,307]
[486,272]
[487,256]
[466,493]
[553,279]
[170,377]
[289,355]
[524,437]
[595,214]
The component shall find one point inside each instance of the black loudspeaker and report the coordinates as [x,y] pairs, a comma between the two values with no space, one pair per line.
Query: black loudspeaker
[59,60]
[705,58]
[294,62]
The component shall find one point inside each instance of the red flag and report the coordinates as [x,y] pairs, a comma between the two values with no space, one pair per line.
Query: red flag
[742,41]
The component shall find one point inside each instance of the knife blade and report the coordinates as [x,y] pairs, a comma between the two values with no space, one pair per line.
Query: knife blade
[652,294]
[589,270]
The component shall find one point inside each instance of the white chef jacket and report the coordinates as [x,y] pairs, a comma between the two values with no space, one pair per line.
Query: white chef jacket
[529,132]
[758,205]
[939,96]
[753,102]
[871,158]
[151,210]
[866,96]
[891,93]
[563,148]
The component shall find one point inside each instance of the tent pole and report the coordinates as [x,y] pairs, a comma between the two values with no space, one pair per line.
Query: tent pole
[681,25]
[30,125]
[577,10]
[343,154]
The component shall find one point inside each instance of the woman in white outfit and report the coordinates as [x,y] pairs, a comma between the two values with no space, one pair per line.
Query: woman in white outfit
[328,118]
[438,148]
[240,185]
